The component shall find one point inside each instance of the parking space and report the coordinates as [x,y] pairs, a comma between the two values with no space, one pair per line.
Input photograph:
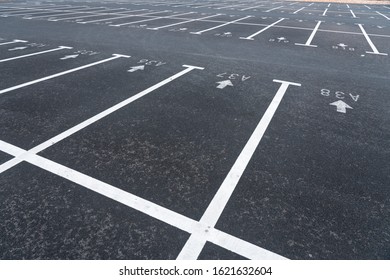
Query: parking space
[189,130]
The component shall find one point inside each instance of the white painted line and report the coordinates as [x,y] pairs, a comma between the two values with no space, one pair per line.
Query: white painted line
[367,7]
[386,17]
[221,25]
[36,53]
[229,6]
[308,42]
[84,124]
[250,8]
[325,12]
[347,6]
[293,3]
[116,194]
[64,13]
[183,22]
[353,14]
[124,16]
[329,5]
[374,49]
[151,19]
[96,14]
[299,10]
[262,30]
[149,208]
[115,56]
[32,12]
[195,243]
[267,11]
[310,4]
[13,42]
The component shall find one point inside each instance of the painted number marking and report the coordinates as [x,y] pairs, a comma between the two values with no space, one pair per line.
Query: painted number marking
[339,94]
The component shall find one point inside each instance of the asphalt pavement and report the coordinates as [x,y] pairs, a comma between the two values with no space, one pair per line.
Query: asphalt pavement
[194,130]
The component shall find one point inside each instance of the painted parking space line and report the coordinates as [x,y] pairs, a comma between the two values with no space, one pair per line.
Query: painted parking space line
[13,42]
[151,19]
[324,13]
[114,56]
[386,17]
[308,42]
[250,37]
[218,26]
[124,16]
[225,7]
[36,53]
[353,14]
[374,49]
[94,14]
[367,7]
[32,11]
[299,10]
[253,7]
[88,122]
[149,208]
[267,11]
[196,242]
[66,13]
[183,22]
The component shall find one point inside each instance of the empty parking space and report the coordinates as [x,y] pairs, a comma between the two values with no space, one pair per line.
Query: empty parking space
[194,130]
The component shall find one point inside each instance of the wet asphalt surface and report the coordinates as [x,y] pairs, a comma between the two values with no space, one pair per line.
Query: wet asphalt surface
[316,186]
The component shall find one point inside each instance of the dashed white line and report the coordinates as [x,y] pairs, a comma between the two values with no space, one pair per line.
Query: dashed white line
[115,56]
[34,54]
[195,243]
[262,30]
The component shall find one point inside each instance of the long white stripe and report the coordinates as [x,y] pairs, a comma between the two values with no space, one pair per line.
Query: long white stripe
[36,53]
[308,42]
[374,49]
[262,30]
[267,11]
[386,17]
[124,16]
[215,27]
[115,56]
[182,22]
[151,19]
[195,243]
[84,124]
[65,13]
[151,209]
[13,42]
[100,13]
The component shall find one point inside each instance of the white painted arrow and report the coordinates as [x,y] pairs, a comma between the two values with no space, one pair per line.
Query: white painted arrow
[223,84]
[18,48]
[341,106]
[69,56]
[136,68]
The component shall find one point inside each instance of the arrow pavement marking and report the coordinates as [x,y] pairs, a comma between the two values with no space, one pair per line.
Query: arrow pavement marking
[36,53]
[71,56]
[223,84]
[374,49]
[136,68]
[196,242]
[17,48]
[115,56]
[308,42]
[218,26]
[84,124]
[262,30]
[13,42]
[341,106]
[149,208]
